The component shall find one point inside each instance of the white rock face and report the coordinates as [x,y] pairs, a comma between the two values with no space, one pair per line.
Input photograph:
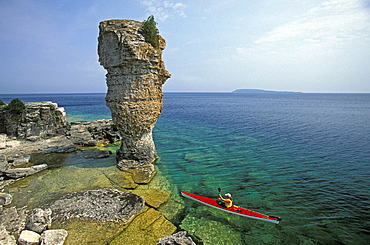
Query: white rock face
[135,75]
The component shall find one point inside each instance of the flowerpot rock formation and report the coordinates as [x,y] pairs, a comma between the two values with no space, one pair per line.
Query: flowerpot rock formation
[135,75]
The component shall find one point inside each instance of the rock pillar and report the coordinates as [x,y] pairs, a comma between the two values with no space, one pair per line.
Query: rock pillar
[135,75]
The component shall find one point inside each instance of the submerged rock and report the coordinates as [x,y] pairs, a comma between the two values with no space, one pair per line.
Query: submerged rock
[210,227]
[178,238]
[97,154]
[135,75]
[101,205]
[153,197]
[146,228]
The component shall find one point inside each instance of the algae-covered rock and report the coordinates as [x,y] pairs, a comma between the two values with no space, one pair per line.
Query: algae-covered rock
[146,228]
[211,229]
[153,197]
[175,239]
[142,175]
[173,206]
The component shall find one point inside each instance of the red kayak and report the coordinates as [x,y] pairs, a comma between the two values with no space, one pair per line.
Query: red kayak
[234,209]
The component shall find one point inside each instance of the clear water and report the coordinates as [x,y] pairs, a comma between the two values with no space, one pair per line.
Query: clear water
[303,157]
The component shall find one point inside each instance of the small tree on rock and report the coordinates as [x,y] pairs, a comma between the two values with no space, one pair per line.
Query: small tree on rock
[16,106]
[150,32]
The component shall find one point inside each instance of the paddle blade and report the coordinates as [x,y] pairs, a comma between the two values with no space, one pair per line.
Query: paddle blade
[219,189]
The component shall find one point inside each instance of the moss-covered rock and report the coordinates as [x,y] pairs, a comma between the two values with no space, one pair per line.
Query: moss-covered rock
[153,197]
[146,228]
[211,229]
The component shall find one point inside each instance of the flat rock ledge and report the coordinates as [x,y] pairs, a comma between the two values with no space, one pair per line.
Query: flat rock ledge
[102,205]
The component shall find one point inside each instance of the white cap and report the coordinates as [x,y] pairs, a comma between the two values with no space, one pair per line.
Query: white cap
[227,195]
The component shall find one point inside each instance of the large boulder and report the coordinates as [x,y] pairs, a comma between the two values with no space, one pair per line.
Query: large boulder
[101,205]
[178,238]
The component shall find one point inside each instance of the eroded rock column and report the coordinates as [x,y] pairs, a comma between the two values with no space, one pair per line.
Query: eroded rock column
[135,75]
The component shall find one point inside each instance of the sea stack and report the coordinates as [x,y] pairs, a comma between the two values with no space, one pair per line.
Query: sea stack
[135,75]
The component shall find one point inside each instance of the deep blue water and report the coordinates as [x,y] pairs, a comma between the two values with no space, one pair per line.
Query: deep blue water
[303,157]
[79,107]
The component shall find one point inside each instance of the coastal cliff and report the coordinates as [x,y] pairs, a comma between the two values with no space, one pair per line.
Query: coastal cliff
[135,75]
[39,120]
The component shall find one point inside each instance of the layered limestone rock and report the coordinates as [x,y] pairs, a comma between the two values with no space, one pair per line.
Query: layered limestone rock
[39,120]
[135,75]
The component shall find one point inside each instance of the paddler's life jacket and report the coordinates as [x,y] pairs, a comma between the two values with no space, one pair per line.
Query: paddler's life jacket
[228,203]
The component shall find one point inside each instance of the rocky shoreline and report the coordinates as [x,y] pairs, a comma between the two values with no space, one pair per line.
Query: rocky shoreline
[134,209]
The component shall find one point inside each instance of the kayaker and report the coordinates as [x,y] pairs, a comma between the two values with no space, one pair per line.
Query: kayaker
[227,202]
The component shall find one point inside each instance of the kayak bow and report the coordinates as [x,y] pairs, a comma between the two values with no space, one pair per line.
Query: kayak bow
[234,209]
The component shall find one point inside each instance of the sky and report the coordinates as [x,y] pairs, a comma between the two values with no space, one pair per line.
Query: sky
[313,46]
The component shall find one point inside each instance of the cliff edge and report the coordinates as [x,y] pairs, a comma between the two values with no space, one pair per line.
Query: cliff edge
[135,75]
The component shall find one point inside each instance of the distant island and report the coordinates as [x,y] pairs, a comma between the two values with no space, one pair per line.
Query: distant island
[260,91]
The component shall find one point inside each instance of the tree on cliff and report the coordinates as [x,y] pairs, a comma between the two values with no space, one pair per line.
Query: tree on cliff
[16,106]
[150,31]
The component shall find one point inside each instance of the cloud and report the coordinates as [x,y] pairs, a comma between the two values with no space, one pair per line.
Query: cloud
[164,9]
[331,26]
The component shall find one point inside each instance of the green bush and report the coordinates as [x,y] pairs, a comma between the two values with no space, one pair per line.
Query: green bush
[2,102]
[16,106]
[150,32]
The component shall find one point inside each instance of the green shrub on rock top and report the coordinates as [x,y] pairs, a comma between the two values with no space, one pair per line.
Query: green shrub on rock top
[16,106]
[2,103]
[150,32]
